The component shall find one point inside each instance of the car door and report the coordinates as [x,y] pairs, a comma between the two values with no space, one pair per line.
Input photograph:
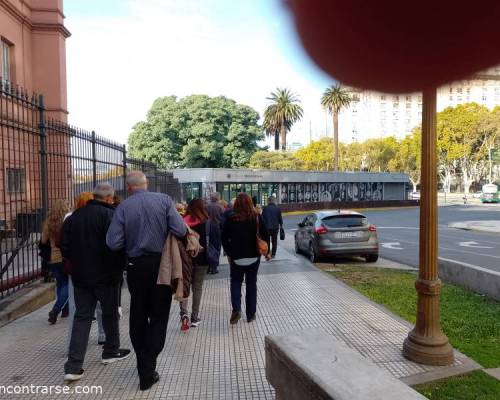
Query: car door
[302,232]
[309,231]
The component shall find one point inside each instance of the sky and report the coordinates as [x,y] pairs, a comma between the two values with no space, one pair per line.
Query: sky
[123,54]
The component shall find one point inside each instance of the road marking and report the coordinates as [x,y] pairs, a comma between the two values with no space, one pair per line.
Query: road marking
[474,245]
[392,245]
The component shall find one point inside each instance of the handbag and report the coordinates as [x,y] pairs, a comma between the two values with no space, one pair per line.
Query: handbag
[282,233]
[262,247]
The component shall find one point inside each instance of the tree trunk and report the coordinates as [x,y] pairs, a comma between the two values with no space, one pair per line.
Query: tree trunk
[414,183]
[283,138]
[335,140]
[276,141]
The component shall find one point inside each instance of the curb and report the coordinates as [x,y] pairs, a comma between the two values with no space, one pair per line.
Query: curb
[25,301]
[472,226]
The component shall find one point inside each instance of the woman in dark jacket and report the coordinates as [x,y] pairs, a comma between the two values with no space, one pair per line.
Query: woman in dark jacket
[197,218]
[239,238]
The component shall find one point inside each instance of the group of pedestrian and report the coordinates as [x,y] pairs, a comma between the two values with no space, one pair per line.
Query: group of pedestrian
[91,247]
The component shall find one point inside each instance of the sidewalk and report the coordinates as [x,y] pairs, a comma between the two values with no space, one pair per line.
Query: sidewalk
[216,360]
[480,226]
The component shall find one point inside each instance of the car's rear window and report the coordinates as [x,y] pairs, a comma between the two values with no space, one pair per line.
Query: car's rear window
[344,221]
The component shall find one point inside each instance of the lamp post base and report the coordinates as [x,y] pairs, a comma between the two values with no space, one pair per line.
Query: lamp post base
[428,350]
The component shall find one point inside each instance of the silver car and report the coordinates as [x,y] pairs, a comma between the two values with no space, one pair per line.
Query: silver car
[337,233]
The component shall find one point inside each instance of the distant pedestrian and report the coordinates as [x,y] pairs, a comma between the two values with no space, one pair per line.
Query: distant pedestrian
[239,238]
[141,225]
[215,211]
[197,219]
[51,232]
[274,222]
[96,272]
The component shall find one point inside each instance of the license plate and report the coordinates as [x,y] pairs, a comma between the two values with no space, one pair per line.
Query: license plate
[347,235]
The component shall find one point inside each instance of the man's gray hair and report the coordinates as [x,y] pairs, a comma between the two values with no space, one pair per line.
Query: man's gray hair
[215,196]
[271,199]
[103,190]
[136,179]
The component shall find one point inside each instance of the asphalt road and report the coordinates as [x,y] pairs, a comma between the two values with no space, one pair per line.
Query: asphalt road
[398,234]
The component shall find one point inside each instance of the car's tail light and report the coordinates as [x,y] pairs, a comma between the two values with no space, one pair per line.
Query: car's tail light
[321,230]
[372,228]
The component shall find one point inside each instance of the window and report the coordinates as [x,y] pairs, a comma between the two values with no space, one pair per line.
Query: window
[16,180]
[382,98]
[5,61]
[395,99]
[408,98]
[451,98]
[408,105]
[459,90]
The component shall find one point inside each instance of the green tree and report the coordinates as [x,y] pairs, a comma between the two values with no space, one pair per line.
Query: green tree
[282,112]
[275,160]
[197,131]
[408,156]
[317,156]
[463,139]
[378,153]
[334,99]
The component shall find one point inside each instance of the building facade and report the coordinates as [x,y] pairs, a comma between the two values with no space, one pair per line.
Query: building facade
[373,114]
[292,187]
[33,50]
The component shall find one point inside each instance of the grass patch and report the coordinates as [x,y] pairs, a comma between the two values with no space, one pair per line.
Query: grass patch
[471,321]
[477,385]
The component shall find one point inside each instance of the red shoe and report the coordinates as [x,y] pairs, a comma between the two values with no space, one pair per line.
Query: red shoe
[184,323]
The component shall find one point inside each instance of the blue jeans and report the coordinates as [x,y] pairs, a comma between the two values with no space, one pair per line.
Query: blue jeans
[61,287]
[249,272]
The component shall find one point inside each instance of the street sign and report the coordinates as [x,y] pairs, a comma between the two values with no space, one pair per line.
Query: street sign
[495,155]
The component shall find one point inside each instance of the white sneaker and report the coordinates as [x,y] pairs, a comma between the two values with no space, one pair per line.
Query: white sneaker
[73,377]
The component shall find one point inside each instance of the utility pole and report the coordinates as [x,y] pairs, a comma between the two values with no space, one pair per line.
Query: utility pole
[489,155]
[310,133]
[426,343]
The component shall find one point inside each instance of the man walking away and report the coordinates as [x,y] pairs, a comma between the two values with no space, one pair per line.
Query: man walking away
[141,225]
[215,211]
[274,221]
[96,273]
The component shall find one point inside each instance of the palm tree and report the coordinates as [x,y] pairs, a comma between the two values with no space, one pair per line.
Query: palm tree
[334,99]
[281,113]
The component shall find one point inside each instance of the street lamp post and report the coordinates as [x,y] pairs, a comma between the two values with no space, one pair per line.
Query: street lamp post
[426,343]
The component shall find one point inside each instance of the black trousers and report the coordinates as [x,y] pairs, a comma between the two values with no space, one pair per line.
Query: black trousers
[149,312]
[273,238]
[85,303]
[249,273]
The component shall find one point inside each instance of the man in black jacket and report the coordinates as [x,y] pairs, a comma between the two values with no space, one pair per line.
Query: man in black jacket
[96,273]
[271,214]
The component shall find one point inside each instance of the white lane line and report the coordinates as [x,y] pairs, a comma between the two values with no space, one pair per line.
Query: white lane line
[392,245]
[415,244]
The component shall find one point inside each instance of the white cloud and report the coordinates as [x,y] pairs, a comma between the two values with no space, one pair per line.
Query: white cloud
[117,66]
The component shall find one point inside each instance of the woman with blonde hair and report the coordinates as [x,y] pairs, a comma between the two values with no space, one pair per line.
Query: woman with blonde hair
[50,235]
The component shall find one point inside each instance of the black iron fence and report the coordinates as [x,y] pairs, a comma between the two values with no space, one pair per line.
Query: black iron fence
[43,160]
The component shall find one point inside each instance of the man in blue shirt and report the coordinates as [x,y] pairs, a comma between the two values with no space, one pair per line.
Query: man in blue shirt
[141,225]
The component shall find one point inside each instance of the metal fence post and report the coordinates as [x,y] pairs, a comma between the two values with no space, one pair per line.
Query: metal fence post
[94,160]
[124,170]
[43,158]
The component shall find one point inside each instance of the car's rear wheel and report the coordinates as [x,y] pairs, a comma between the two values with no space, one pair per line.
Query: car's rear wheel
[371,258]
[312,253]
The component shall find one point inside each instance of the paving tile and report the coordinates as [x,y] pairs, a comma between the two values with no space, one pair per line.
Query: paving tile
[215,360]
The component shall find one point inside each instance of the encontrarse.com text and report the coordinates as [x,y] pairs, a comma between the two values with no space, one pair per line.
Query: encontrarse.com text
[49,389]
